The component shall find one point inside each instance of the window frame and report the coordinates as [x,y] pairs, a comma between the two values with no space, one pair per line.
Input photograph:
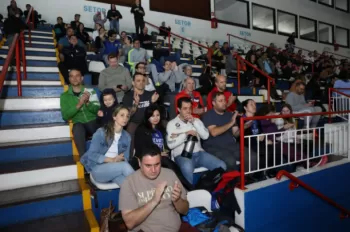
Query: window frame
[325,4]
[340,9]
[274,19]
[316,29]
[348,33]
[333,35]
[296,24]
[238,24]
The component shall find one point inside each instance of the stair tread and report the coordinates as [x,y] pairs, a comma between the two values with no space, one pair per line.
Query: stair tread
[39,125]
[39,192]
[35,142]
[73,222]
[31,165]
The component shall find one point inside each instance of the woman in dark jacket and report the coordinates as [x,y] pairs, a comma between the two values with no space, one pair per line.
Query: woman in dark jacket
[152,131]
[83,35]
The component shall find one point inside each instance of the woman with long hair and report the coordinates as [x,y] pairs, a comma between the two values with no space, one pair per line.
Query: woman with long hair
[108,155]
[152,131]
[83,35]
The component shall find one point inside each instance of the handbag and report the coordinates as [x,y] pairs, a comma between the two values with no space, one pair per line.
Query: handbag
[112,221]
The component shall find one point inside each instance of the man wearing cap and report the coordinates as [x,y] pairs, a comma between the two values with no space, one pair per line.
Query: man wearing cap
[75,24]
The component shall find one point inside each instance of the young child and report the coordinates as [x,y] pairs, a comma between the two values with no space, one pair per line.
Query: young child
[108,103]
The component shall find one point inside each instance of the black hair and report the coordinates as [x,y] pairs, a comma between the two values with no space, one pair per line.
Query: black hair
[75,69]
[265,109]
[244,104]
[182,100]
[151,150]
[225,43]
[136,39]
[137,74]
[216,95]
[28,5]
[299,84]
[149,113]
[138,64]
[111,33]
[1,17]
[59,17]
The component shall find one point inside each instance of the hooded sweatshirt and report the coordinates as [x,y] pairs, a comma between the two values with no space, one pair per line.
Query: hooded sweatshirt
[107,111]
[111,77]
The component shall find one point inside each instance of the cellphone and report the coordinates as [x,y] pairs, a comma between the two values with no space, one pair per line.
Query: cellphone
[119,86]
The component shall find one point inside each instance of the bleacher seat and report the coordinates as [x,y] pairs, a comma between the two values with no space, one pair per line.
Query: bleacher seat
[103,186]
[96,66]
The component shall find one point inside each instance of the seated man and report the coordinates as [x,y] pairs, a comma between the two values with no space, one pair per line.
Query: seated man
[138,99]
[111,45]
[137,54]
[116,77]
[146,39]
[220,82]
[223,127]
[36,15]
[152,198]
[297,101]
[196,98]
[72,57]
[64,41]
[171,76]
[178,131]
[80,105]
[141,68]
[75,24]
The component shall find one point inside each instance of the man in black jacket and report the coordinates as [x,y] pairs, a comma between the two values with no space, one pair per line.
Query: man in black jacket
[139,13]
[75,24]
[13,25]
[72,57]
[36,15]
[146,39]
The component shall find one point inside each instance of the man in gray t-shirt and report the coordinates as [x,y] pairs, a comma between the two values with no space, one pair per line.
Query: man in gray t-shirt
[152,198]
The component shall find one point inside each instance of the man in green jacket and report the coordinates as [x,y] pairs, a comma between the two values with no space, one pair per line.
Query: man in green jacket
[80,105]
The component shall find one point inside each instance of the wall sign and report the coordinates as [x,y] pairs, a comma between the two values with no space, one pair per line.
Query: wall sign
[94,9]
[183,24]
[245,33]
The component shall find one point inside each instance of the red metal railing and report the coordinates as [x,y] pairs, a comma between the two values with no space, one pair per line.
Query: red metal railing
[296,182]
[270,80]
[262,45]
[17,48]
[241,127]
[30,17]
[181,37]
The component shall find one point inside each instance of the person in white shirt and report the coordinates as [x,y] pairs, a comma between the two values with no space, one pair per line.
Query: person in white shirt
[178,130]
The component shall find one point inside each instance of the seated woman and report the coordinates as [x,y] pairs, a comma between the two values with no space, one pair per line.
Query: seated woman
[108,155]
[152,131]
[83,35]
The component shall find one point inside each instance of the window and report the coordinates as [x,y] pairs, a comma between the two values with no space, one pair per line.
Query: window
[308,29]
[287,23]
[264,18]
[342,5]
[325,33]
[233,12]
[342,36]
[329,3]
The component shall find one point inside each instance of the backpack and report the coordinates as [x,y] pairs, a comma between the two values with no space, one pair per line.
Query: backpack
[209,180]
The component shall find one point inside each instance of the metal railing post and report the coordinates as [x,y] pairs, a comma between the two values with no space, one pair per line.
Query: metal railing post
[241,147]
[330,105]
[238,74]
[24,62]
[18,69]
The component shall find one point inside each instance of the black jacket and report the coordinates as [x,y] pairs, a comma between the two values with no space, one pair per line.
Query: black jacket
[137,14]
[75,57]
[142,37]
[143,137]
[107,111]
[14,25]
[114,13]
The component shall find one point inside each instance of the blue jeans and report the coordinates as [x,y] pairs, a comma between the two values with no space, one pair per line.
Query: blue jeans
[114,25]
[112,172]
[199,159]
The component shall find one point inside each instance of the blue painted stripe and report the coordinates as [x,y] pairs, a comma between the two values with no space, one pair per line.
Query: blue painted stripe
[41,209]
[40,63]
[10,118]
[11,91]
[33,53]
[35,152]
[39,34]
[41,39]
[300,204]
[35,76]
[38,45]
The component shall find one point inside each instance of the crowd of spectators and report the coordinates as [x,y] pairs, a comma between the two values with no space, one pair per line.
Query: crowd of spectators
[133,136]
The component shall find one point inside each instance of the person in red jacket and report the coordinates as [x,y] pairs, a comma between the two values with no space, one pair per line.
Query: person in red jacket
[220,82]
[196,98]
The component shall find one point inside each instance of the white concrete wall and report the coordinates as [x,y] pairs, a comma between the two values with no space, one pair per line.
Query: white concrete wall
[198,28]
